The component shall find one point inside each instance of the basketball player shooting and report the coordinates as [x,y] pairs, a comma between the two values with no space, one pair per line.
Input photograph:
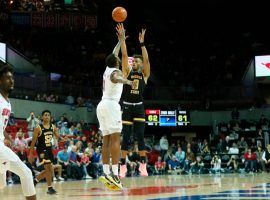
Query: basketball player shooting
[133,106]
[8,159]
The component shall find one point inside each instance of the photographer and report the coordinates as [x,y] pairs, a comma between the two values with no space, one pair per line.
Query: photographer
[232,165]
[215,164]
[197,167]
[32,123]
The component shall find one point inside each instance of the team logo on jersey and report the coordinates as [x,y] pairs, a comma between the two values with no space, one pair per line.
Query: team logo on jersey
[5,112]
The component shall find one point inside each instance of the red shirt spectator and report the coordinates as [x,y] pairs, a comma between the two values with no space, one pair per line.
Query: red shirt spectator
[159,164]
[249,155]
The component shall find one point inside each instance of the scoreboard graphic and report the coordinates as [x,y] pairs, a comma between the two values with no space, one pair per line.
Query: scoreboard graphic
[157,117]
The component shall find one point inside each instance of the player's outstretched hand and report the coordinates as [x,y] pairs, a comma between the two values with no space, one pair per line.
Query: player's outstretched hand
[141,35]
[121,32]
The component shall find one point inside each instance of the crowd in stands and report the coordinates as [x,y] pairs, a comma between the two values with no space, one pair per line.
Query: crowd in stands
[48,5]
[78,151]
[212,55]
[69,99]
[190,59]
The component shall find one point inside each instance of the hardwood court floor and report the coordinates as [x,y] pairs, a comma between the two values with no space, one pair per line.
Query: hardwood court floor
[169,187]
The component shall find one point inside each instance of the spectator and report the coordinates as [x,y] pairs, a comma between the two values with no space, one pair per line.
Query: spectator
[220,146]
[266,156]
[75,171]
[132,161]
[11,120]
[80,101]
[70,99]
[63,158]
[197,167]
[85,162]
[236,127]
[242,144]
[259,134]
[206,149]
[180,157]
[32,123]
[99,141]
[59,169]
[71,130]
[64,131]
[70,146]
[51,98]
[60,123]
[216,164]
[44,97]
[253,144]
[79,147]
[234,149]
[260,162]
[173,165]
[19,140]
[232,165]
[226,144]
[260,138]
[234,135]
[89,149]
[96,160]
[38,97]
[94,137]
[250,161]
[168,155]
[78,130]
[84,143]
[164,146]
[189,159]
[160,166]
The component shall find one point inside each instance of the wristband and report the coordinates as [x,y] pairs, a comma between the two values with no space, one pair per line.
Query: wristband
[142,44]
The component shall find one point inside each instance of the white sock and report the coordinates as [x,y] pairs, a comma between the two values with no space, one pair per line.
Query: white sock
[115,169]
[106,169]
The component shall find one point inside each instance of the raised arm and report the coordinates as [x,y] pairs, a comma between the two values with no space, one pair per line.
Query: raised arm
[117,48]
[122,39]
[146,63]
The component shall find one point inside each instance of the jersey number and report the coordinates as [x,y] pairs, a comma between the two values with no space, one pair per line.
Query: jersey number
[135,84]
[48,139]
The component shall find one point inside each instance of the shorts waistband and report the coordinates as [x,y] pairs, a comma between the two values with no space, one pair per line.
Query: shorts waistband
[132,104]
[110,99]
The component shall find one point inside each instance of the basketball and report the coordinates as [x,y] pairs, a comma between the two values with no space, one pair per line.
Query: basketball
[119,14]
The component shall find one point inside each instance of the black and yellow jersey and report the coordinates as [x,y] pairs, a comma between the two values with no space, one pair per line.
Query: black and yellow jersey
[134,94]
[44,140]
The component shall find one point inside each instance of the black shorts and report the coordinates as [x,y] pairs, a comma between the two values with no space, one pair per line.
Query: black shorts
[45,156]
[133,113]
